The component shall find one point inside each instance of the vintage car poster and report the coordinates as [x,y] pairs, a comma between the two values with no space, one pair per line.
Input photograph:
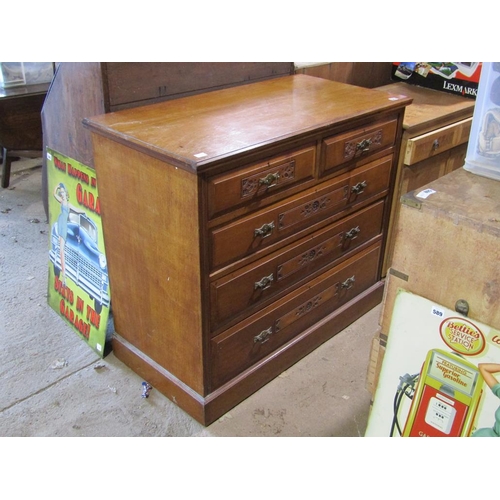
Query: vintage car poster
[78,285]
[440,376]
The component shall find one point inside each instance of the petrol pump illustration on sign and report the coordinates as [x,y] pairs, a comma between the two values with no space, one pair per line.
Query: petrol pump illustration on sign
[440,375]
[78,275]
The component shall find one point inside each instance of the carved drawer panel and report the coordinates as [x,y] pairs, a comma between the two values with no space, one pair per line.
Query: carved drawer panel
[356,144]
[258,181]
[240,347]
[298,214]
[261,281]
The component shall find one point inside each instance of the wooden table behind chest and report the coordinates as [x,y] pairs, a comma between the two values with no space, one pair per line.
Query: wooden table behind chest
[243,228]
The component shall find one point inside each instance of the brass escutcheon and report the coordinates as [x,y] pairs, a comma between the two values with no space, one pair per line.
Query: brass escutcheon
[359,187]
[263,336]
[264,283]
[348,283]
[269,179]
[265,230]
[364,145]
[352,233]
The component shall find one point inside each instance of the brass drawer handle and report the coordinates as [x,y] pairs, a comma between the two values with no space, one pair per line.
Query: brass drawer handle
[359,187]
[269,180]
[364,145]
[265,230]
[265,282]
[352,233]
[348,283]
[263,336]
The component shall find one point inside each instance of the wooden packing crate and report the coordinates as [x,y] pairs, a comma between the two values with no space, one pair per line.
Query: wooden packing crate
[447,248]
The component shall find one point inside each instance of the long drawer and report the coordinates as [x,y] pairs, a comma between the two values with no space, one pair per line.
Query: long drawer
[249,341]
[261,281]
[299,213]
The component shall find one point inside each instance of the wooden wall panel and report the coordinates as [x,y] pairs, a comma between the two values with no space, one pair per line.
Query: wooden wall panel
[131,84]
[363,74]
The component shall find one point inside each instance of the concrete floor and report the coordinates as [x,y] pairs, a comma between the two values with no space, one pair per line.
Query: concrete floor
[53,384]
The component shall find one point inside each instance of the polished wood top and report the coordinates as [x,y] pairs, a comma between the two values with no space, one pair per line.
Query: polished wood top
[198,130]
[429,106]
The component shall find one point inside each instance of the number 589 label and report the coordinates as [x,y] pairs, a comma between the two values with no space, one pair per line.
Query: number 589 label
[436,311]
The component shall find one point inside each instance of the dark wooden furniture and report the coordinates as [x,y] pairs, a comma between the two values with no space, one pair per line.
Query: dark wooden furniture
[20,124]
[363,74]
[244,227]
[86,89]
[435,139]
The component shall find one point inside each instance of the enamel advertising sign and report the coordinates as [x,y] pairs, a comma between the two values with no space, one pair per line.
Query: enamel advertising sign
[440,376]
[78,288]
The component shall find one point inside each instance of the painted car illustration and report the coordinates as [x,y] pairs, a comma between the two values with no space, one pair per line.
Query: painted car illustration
[85,264]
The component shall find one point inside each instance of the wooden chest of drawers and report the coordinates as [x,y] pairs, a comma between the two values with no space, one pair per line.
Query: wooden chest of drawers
[435,138]
[243,227]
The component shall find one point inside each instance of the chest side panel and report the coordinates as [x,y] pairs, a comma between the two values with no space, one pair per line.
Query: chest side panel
[151,238]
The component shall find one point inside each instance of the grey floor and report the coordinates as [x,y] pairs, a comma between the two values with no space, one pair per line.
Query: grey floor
[53,384]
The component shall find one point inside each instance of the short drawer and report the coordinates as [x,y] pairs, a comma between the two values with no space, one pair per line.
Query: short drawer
[357,143]
[436,142]
[299,213]
[260,180]
[251,340]
[261,281]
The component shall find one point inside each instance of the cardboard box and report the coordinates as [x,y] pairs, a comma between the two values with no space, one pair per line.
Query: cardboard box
[460,78]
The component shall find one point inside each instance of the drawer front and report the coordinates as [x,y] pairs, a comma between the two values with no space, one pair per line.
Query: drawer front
[251,340]
[260,180]
[267,227]
[261,281]
[357,143]
[436,142]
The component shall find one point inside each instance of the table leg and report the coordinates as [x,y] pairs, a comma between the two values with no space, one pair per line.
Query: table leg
[6,161]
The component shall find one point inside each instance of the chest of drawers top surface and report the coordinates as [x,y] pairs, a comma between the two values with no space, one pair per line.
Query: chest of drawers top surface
[196,131]
[430,108]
